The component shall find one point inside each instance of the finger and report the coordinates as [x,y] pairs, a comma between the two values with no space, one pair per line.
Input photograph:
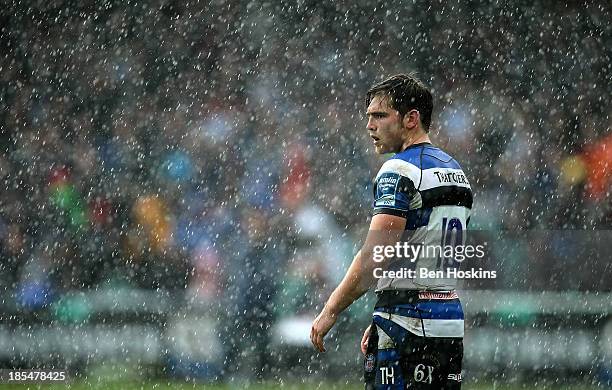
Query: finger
[320,344]
[316,340]
[364,344]
[365,336]
[312,337]
[365,339]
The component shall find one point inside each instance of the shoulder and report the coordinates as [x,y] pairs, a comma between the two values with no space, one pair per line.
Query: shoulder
[441,170]
[411,162]
[434,157]
[396,166]
[405,164]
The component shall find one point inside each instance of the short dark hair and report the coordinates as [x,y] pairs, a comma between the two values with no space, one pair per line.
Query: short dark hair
[406,92]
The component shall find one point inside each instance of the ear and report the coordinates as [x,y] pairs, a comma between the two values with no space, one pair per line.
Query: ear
[411,119]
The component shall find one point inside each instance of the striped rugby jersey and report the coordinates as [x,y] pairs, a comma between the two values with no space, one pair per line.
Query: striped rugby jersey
[427,187]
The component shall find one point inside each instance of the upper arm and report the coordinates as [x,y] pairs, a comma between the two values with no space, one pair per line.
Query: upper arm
[387,222]
[385,229]
[395,191]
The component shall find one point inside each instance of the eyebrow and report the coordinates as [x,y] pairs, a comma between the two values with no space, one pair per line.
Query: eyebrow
[376,113]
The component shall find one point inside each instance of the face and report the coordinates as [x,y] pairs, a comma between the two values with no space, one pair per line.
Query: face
[385,126]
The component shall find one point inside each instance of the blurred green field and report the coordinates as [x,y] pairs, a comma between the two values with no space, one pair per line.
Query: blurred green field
[268,386]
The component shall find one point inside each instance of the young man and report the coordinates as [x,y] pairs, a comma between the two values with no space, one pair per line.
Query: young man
[422,198]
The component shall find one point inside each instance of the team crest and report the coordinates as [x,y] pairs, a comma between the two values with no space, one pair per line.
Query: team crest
[370,362]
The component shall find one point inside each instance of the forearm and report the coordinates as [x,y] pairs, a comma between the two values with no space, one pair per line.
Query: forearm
[384,230]
[356,282]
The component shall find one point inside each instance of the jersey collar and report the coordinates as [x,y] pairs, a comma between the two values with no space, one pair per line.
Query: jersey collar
[416,145]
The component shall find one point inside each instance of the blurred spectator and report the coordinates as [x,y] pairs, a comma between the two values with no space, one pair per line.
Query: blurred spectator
[256,282]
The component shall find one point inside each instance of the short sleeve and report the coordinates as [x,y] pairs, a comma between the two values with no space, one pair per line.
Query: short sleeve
[393,194]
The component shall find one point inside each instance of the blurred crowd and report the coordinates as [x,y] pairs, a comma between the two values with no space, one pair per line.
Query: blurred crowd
[213,146]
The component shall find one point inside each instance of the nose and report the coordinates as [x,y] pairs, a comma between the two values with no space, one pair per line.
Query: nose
[370,126]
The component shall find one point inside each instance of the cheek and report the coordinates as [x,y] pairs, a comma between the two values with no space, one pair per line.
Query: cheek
[388,131]
[393,132]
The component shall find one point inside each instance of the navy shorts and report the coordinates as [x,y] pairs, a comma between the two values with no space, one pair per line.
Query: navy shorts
[416,345]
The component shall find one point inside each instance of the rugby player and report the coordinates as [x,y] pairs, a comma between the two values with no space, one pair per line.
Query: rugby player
[421,196]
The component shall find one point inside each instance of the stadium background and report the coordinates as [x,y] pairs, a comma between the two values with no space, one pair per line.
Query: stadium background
[183,183]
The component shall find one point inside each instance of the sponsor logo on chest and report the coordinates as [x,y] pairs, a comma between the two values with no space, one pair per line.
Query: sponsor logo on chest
[451,177]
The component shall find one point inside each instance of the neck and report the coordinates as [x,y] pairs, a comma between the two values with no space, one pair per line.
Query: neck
[417,139]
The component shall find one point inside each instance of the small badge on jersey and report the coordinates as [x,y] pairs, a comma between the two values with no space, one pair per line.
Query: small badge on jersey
[386,187]
[370,362]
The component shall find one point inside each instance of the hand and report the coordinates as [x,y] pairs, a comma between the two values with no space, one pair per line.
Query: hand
[320,327]
[365,339]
